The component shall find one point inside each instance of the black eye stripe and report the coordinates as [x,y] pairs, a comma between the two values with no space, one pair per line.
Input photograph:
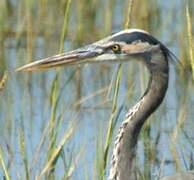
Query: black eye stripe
[129,38]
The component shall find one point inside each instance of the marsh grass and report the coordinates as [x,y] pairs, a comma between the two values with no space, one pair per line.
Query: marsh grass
[190,39]
[64,26]
[3,165]
[3,81]
[52,127]
[22,148]
[111,122]
[174,135]
[34,29]
[54,151]
[112,119]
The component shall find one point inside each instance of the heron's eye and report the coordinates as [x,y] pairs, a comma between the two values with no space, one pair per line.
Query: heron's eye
[116,48]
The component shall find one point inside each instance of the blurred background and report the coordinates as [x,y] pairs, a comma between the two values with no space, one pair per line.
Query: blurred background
[54,123]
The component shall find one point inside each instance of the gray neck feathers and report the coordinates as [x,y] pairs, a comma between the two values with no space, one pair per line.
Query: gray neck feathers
[122,163]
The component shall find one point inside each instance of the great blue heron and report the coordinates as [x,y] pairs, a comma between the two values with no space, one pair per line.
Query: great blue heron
[124,46]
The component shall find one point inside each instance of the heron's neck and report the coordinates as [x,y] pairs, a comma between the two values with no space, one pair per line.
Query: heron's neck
[122,164]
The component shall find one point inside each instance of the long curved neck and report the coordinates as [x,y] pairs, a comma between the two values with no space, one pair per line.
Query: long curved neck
[122,164]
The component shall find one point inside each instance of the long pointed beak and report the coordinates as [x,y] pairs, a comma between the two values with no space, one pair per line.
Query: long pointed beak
[78,56]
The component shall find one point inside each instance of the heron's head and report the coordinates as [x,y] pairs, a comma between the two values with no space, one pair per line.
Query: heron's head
[122,46]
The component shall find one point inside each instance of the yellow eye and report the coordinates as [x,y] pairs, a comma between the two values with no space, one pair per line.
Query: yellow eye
[116,48]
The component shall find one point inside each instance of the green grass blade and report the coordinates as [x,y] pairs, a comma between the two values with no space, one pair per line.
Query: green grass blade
[56,151]
[113,113]
[129,12]
[22,149]
[5,170]
[3,80]
[190,39]
[64,27]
